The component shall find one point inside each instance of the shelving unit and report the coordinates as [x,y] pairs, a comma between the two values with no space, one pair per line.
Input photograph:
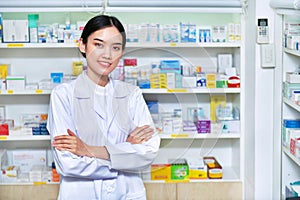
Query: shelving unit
[33,60]
[285,108]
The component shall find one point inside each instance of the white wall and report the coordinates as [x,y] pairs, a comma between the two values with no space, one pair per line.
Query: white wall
[264,102]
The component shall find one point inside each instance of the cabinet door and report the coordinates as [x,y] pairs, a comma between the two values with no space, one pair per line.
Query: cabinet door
[33,192]
[157,191]
[210,190]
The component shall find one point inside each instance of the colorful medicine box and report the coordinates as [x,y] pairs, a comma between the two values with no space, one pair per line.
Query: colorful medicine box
[179,170]
[160,171]
[197,169]
[214,169]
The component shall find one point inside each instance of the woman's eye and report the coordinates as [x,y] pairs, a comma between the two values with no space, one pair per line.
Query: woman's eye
[117,48]
[98,44]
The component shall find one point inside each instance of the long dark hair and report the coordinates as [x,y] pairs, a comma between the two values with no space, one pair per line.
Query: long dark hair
[99,22]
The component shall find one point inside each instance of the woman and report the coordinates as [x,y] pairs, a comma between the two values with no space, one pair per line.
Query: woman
[101,129]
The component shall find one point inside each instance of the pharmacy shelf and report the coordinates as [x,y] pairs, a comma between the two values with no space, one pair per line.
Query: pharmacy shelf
[186,135]
[229,175]
[288,153]
[30,183]
[292,52]
[291,104]
[192,90]
[145,91]
[196,135]
[175,9]
[24,92]
[51,9]
[128,45]
[25,138]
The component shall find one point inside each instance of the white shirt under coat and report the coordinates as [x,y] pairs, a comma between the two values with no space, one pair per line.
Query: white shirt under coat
[101,116]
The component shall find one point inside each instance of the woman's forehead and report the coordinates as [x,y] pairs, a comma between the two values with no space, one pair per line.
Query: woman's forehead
[106,34]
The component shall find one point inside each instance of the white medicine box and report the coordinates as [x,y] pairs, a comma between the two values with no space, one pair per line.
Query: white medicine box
[27,158]
[224,62]
[15,31]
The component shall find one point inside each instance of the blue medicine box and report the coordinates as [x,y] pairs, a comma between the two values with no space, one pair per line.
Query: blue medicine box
[167,66]
[56,77]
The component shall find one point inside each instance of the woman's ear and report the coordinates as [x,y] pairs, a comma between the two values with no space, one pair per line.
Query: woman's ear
[81,46]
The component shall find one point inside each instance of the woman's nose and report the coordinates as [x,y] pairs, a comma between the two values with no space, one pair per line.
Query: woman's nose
[107,53]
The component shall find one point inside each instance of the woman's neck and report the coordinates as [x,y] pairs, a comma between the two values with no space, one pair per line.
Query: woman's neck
[101,80]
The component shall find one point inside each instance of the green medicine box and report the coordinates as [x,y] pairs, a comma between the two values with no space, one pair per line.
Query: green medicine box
[179,170]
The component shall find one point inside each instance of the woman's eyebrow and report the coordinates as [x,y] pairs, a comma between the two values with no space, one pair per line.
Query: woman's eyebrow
[116,43]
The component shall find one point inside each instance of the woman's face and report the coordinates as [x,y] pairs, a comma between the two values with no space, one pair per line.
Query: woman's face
[103,52]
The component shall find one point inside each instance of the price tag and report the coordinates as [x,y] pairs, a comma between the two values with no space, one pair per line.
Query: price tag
[3,137]
[173,44]
[39,183]
[177,181]
[179,135]
[177,90]
[10,91]
[12,45]
[0,91]
[38,91]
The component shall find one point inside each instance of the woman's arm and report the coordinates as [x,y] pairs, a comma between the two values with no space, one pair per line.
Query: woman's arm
[76,146]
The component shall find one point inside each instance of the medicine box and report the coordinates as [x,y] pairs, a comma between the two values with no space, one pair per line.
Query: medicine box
[3,158]
[179,169]
[160,171]
[292,77]
[25,159]
[214,169]
[15,31]
[15,82]
[197,168]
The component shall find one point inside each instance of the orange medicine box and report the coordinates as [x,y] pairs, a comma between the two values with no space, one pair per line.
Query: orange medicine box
[214,169]
[160,171]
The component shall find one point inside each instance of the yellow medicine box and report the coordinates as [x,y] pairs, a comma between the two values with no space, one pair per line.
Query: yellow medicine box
[211,77]
[197,169]
[4,70]
[160,171]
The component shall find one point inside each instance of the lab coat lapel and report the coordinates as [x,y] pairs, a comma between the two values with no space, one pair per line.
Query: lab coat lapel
[119,104]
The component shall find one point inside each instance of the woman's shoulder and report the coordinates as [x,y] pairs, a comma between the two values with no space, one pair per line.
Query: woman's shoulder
[64,88]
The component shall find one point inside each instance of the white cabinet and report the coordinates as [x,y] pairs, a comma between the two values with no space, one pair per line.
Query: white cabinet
[287,106]
[36,61]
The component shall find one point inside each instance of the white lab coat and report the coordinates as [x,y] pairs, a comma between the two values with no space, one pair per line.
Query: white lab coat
[101,121]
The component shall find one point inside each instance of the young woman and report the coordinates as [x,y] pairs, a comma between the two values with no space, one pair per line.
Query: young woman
[101,129]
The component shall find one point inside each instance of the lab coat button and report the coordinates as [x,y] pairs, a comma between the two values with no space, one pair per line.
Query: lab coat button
[109,189]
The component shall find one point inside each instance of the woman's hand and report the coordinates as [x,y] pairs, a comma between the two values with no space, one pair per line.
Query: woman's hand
[140,135]
[72,144]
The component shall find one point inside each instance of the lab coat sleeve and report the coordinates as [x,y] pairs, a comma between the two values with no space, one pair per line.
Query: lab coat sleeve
[67,163]
[133,157]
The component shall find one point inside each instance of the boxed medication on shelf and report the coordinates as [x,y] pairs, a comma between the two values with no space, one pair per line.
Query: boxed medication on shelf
[3,158]
[293,77]
[179,169]
[160,171]
[15,31]
[45,84]
[197,168]
[290,88]
[15,82]
[214,169]
[26,158]
[5,126]
[10,174]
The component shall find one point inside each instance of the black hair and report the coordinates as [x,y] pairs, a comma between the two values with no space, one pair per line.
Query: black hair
[99,22]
